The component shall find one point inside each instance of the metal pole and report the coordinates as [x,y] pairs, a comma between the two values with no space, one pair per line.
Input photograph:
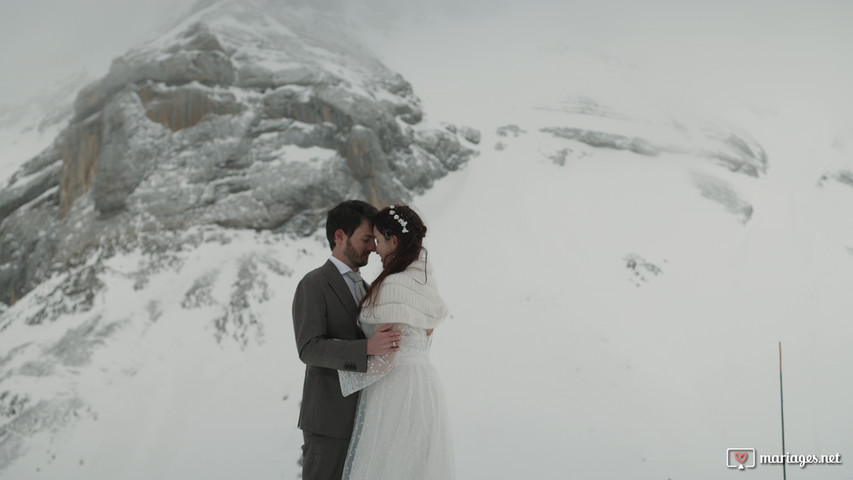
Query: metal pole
[782,410]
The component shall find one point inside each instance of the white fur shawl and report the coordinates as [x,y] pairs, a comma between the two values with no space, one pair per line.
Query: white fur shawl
[409,297]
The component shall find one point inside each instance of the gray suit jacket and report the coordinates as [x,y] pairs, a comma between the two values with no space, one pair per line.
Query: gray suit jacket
[327,339]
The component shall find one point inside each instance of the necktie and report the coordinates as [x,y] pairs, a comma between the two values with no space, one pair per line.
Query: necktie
[359,285]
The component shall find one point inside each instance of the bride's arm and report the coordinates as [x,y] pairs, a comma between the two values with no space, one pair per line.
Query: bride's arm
[381,364]
[377,367]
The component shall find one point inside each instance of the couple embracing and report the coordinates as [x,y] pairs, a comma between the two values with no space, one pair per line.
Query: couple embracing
[372,404]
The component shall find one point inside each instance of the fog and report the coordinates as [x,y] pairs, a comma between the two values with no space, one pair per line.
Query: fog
[790,58]
[43,44]
[758,49]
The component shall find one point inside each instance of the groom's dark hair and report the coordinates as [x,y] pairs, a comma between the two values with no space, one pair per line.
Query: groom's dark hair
[347,216]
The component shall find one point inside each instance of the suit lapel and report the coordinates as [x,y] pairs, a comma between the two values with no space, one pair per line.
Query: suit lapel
[339,285]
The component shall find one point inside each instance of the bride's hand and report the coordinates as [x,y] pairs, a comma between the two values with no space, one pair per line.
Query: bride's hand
[385,340]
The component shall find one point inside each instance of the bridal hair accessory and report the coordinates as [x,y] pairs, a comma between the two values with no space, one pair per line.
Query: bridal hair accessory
[397,217]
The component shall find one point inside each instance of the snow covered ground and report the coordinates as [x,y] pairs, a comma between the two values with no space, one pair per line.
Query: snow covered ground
[608,321]
[581,370]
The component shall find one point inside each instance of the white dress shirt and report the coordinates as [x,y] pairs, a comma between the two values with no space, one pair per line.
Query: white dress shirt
[344,268]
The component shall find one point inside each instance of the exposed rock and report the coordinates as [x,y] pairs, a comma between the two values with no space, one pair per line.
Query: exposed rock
[31,420]
[605,140]
[845,177]
[363,153]
[75,348]
[258,77]
[202,127]
[205,67]
[25,191]
[721,192]
[641,270]
[73,293]
[184,107]
[237,320]
[131,148]
[408,112]
[560,157]
[740,154]
[200,295]
[584,105]
[508,130]
[199,37]
[12,404]
[445,147]
[26,246]
[737,152]
[81,149]
[37,164]
[259,125]
[470,134]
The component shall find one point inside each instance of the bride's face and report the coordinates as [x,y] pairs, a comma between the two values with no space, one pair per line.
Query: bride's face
[385,247]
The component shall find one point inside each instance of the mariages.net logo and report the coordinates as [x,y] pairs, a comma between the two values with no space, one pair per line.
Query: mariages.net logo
[745,458]
[740,458]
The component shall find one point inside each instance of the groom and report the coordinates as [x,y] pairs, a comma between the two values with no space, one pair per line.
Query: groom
[325,311]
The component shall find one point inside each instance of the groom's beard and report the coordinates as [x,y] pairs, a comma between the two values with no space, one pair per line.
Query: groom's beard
[352,255]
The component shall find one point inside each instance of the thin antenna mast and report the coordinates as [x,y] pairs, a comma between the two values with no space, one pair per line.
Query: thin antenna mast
[782,410]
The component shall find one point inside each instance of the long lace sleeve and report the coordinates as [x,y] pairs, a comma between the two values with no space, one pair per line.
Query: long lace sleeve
[377,367]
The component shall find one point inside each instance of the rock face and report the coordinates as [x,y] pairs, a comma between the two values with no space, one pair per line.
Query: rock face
[844,177]
[721,192]
[736,152]
[653,134]
[244,116]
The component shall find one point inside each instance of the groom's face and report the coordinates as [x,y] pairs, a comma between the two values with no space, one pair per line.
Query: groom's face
[357,247]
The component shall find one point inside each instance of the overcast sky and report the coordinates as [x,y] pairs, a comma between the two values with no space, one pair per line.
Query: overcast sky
[44,42]
[757,42]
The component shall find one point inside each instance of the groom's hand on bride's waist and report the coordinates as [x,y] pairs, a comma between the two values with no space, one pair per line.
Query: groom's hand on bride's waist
[385,340]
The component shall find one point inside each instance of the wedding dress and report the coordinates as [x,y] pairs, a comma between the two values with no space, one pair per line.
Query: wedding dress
[402,430]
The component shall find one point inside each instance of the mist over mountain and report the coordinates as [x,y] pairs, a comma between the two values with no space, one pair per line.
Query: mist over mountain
[623,234]
[238,117]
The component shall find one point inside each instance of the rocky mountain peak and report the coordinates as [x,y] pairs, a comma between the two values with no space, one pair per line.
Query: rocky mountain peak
[250,115]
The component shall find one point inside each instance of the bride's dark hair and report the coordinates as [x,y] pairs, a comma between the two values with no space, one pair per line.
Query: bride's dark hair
[407,226]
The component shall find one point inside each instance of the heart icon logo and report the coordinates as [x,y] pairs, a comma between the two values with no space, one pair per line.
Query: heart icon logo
[740,458]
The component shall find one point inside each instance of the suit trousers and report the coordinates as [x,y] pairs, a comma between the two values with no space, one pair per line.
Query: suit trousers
[323,457]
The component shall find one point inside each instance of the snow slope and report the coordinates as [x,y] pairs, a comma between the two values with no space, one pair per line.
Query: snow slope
[584,366]
[608,320]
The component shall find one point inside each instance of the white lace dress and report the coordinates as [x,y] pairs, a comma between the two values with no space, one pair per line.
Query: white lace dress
[401,430]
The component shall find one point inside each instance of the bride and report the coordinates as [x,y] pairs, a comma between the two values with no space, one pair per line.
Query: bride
[401,426]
